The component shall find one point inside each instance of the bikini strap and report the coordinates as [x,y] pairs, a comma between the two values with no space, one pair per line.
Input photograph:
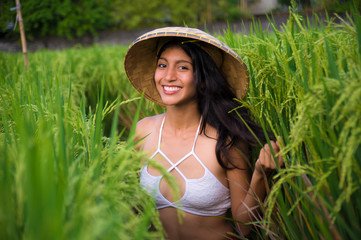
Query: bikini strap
[195,137]
[160,133]
[197,133]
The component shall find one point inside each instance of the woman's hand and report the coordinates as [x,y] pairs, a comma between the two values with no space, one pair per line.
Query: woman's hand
[266,163]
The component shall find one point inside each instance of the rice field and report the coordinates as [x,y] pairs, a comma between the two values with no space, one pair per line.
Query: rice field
[68,169]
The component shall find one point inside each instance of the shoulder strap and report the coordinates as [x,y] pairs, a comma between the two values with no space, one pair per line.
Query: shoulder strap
[160,133]
[197,133]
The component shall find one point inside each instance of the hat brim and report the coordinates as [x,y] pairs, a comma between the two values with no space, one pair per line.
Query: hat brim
[141,59]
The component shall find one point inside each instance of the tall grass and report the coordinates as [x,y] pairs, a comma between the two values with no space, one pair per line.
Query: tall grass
[68,169]
[85,68]
[306,87]
[60,177]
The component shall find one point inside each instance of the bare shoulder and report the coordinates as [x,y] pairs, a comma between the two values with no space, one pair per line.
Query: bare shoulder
[147,125]
[240,156]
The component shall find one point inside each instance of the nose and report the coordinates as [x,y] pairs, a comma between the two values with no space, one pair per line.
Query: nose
[171,74]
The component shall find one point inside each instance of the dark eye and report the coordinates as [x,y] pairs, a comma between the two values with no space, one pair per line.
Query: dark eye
[161,65]
[183,68]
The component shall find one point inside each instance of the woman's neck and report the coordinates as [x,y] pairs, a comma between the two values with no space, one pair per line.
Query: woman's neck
[180,119]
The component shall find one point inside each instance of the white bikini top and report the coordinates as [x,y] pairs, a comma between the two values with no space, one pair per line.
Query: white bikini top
[205,196]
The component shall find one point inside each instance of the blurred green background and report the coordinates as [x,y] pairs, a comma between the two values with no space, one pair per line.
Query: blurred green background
[71,19]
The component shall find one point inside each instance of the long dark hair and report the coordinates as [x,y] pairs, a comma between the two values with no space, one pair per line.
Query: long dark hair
[215,104]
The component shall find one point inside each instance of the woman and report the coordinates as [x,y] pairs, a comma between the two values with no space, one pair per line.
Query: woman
[201,139]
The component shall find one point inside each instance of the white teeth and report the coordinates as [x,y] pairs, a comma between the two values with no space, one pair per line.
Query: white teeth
[171,89]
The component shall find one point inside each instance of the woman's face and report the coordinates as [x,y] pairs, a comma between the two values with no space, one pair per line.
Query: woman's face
[174,77]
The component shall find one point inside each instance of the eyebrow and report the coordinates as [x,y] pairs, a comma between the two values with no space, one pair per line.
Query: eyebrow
[178,61]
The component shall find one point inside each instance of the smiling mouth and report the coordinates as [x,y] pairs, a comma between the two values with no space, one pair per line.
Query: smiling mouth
[170,90]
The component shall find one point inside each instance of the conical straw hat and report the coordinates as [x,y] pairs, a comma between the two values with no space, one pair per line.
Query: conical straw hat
[141,59]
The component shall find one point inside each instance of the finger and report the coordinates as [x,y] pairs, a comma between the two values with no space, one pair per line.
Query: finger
[275,146]
[269,161]
[262,154]
[270,150]
[278,158]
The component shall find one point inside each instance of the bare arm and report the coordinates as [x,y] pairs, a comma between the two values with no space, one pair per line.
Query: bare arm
[248,190]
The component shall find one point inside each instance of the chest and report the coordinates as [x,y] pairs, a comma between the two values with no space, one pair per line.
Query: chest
[184,157]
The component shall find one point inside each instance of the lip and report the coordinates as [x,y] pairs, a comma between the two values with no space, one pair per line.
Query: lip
[171,89]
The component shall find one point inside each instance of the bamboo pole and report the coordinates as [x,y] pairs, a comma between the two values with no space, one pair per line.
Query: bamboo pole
[209,11]
[243,5]
[22,34]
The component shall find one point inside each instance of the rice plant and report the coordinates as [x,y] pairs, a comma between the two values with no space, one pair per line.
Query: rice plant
[60,177]
[305,86]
